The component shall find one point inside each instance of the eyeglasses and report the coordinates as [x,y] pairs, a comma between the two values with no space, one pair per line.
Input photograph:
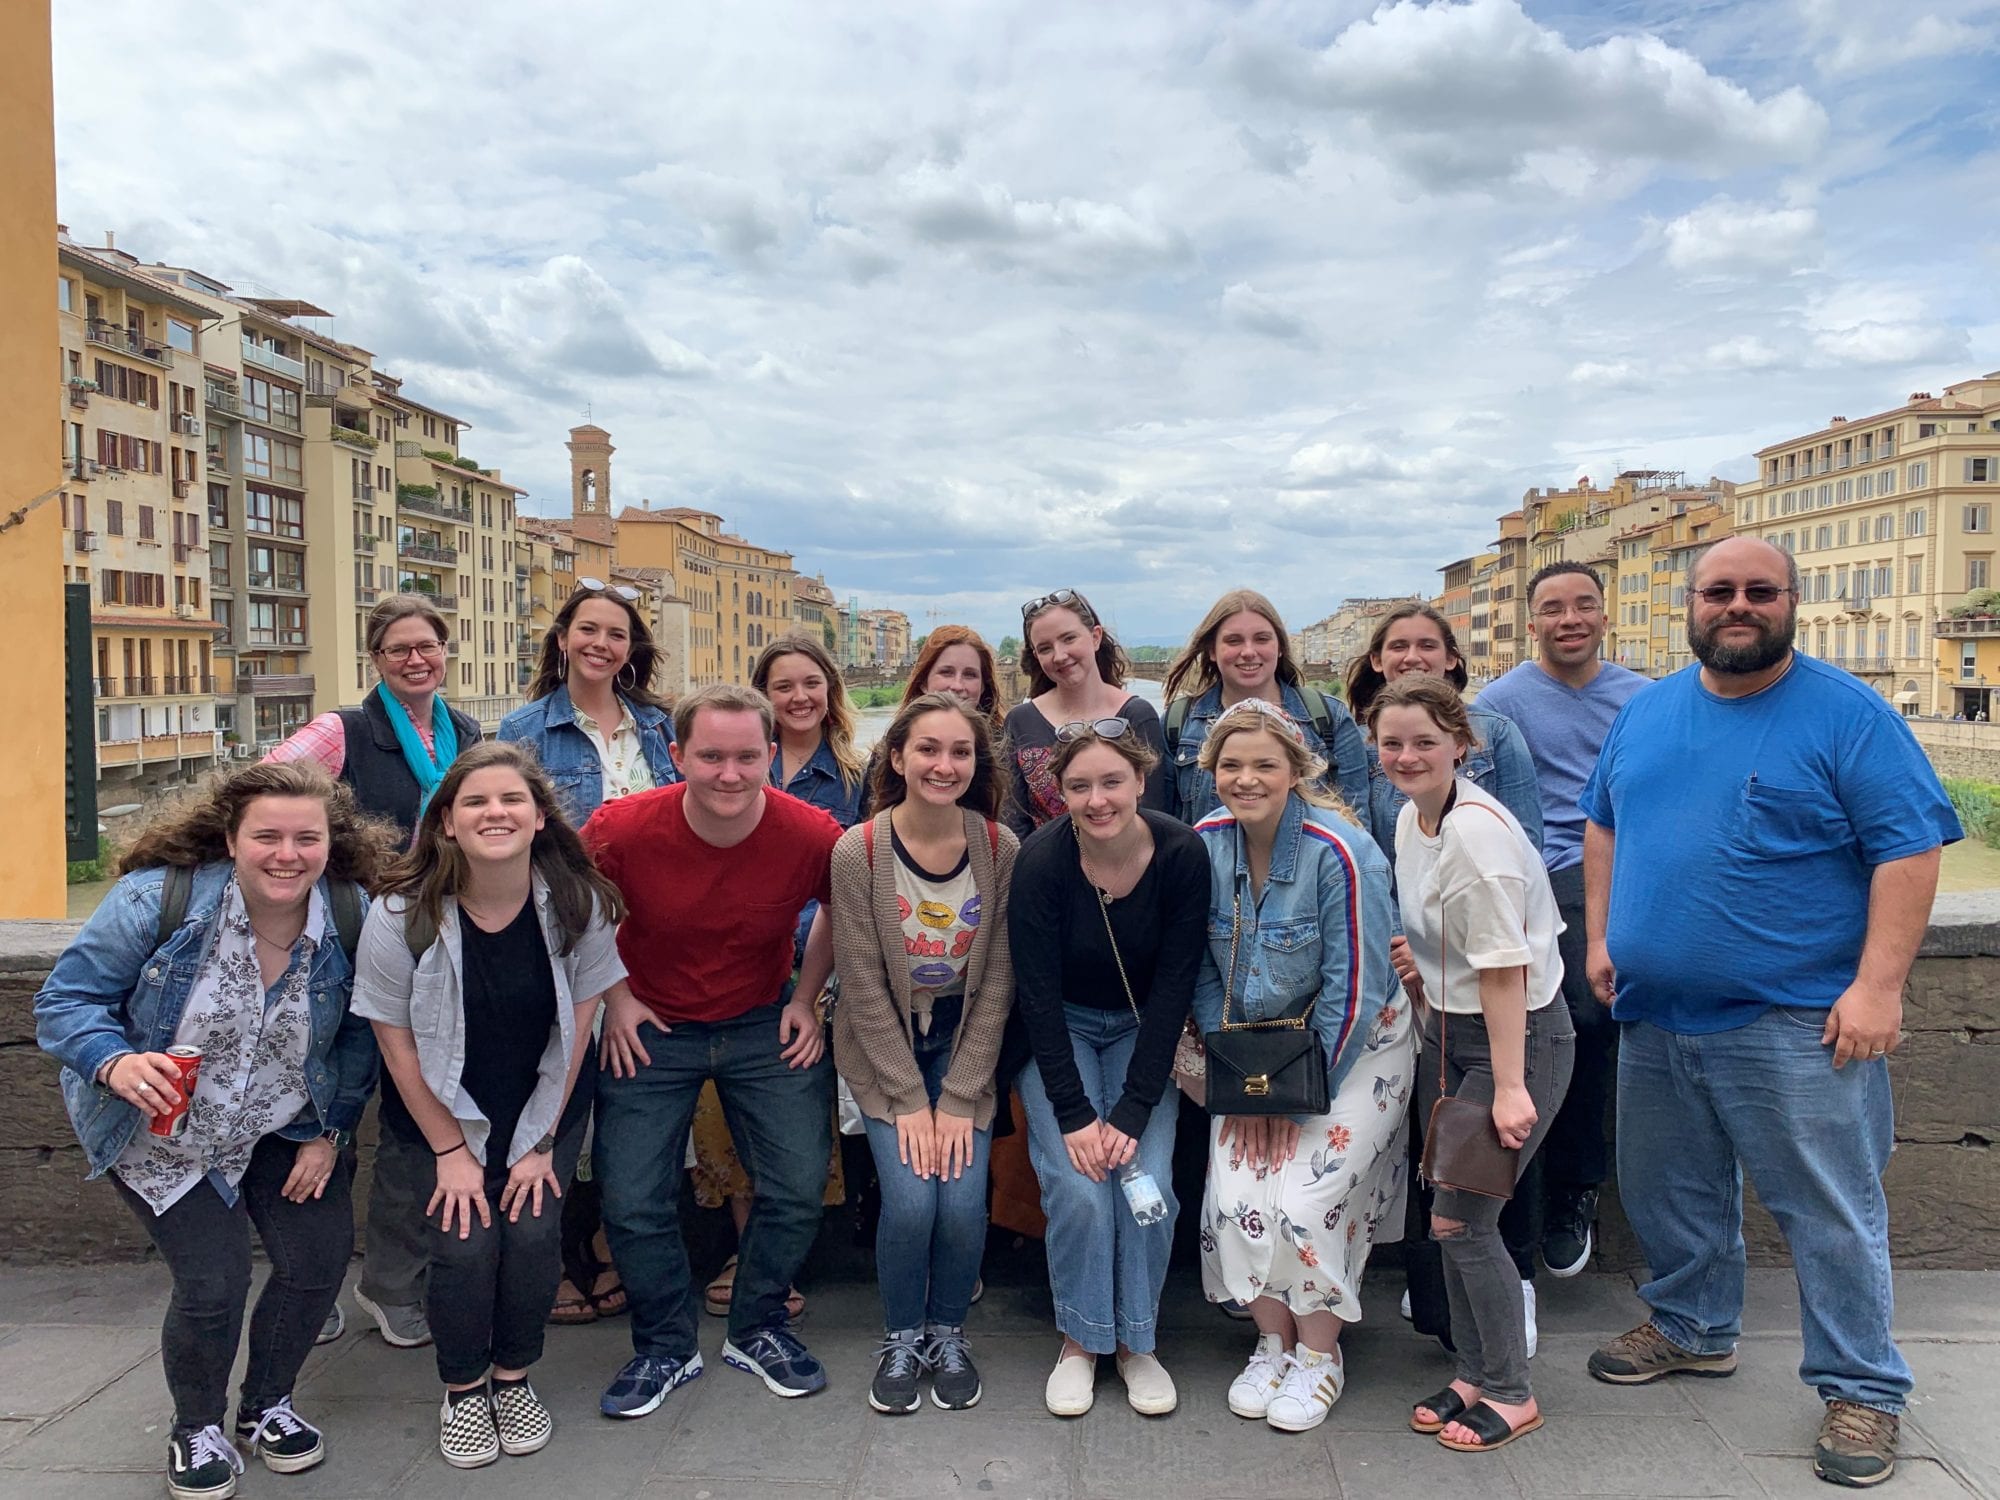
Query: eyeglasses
[1756,593]
[1104,729]
[1067,598]
[623,591]
[427,649]
[1585,609]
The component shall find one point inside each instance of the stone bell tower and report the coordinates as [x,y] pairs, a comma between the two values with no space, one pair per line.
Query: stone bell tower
[591,517]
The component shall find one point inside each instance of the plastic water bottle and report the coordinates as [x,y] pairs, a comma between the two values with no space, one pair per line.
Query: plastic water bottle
[1142,1194]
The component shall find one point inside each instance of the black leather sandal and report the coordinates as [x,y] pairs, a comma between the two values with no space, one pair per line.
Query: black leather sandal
[1448,1405]
[1490,1428]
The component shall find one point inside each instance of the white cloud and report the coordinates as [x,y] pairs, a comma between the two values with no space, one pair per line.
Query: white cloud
[1065,236]
[1248,308]
[1723,236]
[1744,352]
[1865,36]
[1607,375]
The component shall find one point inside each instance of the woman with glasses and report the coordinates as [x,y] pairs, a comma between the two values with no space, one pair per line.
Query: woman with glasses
[393,750]
[818,763]
[599,731]
[1076,674]
[1106,922]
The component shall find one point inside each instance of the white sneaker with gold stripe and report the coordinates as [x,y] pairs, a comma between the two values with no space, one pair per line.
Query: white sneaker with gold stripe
[1312,1383]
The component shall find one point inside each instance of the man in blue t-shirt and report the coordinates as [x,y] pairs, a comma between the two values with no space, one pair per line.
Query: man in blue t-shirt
[1563,704]
[1759,863]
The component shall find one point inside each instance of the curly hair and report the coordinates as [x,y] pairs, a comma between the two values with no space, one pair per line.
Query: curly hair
[1254,714]
[982,793]
[435,867]
[195,827]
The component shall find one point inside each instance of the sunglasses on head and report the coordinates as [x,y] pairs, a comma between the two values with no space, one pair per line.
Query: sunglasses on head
[1060,598]
[623,591]
[1104,729]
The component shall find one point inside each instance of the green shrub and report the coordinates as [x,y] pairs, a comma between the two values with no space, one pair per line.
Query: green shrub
[1978,805]
[84,871]
[888,695]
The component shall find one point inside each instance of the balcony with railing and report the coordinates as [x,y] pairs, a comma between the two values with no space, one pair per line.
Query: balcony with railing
[364,494]
[275,684]
[1968,626]
[269,359]
[364,544]
[80,392]
[129,341]
[348,393]
[425,501]
[366,595]
[221,398]
[354,438]
[272,416]
[427,552]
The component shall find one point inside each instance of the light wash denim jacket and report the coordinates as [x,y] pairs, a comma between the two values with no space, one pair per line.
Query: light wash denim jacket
[819,783]
[1499,765]
[113,992]
[1346,758]
[1321,929]
[427,996]
[548,727]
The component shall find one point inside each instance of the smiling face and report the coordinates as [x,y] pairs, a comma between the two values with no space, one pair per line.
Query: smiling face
[598,641]
[937,759]
[494,816]
[1254,776]
[1246,653]
[725,760]
[1413,644]
[1418,756]
[957,671]
[1101,789]
[1567,617]
[421,672]
[1065,646]
[1737,637]
[798,690]
[280,847]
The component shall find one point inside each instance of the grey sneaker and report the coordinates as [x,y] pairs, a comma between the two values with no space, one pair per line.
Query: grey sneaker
[404,1327]
[1857,1445]
[954,1377]
[897,1387]
[1645,1354]
[334,1326]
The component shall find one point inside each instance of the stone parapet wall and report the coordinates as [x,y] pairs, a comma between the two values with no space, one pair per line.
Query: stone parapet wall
[1957,749]
[1943,1182]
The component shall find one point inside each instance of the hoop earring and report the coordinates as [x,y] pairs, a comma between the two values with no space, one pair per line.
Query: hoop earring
[628,667]
[562,658]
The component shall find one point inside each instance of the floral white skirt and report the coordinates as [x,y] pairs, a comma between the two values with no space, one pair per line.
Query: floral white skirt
[1302,1232]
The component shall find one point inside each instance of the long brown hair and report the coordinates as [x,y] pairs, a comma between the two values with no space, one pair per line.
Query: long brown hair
[982,794]
[195,827]
[435,866]
[1364,680]
[1111,662]
[992,701]
[1197,658]
[550,665]
[838,725]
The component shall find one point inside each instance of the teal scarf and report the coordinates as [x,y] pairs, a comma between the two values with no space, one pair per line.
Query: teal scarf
[427,767]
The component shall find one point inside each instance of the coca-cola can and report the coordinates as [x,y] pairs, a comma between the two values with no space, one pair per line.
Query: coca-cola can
[174,1123]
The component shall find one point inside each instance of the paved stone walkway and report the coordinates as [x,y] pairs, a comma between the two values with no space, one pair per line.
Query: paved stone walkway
[83,1410]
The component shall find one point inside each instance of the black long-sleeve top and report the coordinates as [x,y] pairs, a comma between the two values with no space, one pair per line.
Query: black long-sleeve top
[1061,955]
[1033,797]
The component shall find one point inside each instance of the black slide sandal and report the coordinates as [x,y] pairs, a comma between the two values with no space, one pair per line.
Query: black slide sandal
[1448,1405]
[1490,1428]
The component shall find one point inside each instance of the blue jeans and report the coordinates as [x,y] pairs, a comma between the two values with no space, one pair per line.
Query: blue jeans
[781,1121]
[1105,1270]
[932,1234]
[1693,1113]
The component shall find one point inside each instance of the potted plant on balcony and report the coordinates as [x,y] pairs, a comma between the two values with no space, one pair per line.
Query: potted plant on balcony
[79,383]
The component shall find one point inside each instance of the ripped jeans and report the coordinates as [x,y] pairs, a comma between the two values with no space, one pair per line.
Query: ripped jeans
[1488,1320]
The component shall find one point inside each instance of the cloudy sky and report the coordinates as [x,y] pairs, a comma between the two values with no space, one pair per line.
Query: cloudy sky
[963,302]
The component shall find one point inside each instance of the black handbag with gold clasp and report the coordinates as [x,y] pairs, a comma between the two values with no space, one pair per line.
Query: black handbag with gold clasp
[1263,1067]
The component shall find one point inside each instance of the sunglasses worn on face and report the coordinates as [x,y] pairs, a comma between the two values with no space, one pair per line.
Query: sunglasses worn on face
[1104,729]
[1063,598]
[1756,593]
[598,586]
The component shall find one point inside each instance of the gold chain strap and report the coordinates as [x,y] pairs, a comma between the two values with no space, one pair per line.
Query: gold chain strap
[1104,911]
[1292,1023]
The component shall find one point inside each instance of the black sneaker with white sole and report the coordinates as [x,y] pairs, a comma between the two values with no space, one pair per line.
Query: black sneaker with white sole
[898,1385]
[201,1464]
[286,1441]
[954,1377]
[1571,1231]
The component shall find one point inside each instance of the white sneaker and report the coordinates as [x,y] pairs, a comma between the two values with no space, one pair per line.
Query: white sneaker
[1312,1383]
[1528,1297]
[1071,1387]
[1251,1392]
[1148,1386]
[1404,1309]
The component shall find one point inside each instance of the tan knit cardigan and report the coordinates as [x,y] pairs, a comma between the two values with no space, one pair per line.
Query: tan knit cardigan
[872,1029]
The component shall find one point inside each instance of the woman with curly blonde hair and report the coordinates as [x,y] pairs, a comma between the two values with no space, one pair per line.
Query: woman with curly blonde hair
[229,935]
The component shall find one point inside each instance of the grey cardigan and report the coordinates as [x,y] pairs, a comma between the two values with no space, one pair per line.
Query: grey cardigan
[872,1031]
[426,996]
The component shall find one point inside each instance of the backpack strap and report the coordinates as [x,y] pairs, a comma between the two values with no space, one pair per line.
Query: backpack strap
[868,840]
[992,838]
[1177,712]
[1320,712]
[173,903]
[346,906]
[419,931]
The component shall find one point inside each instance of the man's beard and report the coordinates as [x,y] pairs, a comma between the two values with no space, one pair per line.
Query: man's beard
[1766,651]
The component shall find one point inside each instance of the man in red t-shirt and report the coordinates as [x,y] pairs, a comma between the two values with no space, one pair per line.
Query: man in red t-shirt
[714,872]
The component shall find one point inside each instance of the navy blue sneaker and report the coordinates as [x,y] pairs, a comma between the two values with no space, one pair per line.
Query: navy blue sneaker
[775,1354]
[644,1383]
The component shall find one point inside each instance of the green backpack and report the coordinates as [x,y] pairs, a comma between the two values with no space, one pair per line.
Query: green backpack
[1317,710]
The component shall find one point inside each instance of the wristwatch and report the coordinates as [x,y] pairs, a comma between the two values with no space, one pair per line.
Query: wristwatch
[546,1144]
[340,1140]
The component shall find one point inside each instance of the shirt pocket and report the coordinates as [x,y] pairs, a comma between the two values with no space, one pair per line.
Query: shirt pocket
[1778,822]
[1289,955]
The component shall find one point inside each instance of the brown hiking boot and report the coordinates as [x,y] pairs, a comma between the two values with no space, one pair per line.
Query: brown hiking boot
[1857,1445]
[1645,1354]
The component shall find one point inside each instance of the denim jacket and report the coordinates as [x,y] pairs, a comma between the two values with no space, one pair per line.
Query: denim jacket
[1499,765]
[1346,758]
[112,992]
[819,782]
[548,727]
[1321,929]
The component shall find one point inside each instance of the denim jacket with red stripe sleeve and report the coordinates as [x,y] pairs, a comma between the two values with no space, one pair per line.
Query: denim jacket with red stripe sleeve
[1321,929]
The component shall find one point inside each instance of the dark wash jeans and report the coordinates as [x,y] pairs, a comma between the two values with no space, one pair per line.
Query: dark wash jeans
[206,1244]
[1576,1155]
[781,1120]
[488,1295]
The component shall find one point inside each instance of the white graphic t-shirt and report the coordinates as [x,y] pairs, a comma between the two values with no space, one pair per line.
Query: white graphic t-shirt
[940,917]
